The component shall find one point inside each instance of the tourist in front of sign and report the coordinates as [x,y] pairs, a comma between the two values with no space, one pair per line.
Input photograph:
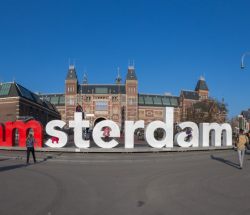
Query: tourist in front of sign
[242,140]
[106,134]
[30,141]
[248,144]
[79,109]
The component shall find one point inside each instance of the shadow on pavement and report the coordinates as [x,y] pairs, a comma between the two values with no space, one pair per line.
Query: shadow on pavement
[230,163]
[4,159]
[11,167]
[17,166]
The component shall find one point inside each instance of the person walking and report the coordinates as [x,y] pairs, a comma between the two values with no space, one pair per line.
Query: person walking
[248,144]
[30,147]
[242,140]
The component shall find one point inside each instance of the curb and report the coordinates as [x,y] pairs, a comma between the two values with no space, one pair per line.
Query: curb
[120,150]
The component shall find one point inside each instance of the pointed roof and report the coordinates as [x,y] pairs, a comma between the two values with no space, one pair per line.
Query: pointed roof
[201,84]
[85,79]
[246,114]
[118,79]
[131,73]
[71,73]
[13,89]
[192,95]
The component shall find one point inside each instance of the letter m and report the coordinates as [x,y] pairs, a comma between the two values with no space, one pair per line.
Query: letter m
[23,128]
[220,135]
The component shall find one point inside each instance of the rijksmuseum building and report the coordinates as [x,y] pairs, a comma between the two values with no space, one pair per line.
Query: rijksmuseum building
[117,102]
[120,101]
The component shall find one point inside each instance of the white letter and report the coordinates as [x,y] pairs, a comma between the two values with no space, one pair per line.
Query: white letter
[180,137]
[130,127]
[78,124]
[167,126]
[62,136]
[216,131]
[98,134]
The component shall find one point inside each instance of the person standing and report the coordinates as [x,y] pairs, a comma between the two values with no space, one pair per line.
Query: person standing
[242,140]
[106,133]
[79,109]
[30,141]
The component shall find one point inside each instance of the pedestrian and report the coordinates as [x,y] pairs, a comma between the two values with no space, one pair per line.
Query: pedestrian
[106,133]
[30,147]
[248,144]
[242,140]
[138,134]
[79,109]
[189,136]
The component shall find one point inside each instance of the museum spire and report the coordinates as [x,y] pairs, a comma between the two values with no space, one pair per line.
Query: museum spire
[71,75]
[118,79]
[131,75]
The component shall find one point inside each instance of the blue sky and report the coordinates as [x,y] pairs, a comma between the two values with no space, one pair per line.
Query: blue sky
[172,42]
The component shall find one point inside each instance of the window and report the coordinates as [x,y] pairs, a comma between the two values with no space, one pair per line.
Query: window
[174,101]
[62,100]
[70,101]
[132,101]
[88,99]
[114,99]
[141,100]
[165,101]
[148,100]
[101,90]
[157,100]
[123,98]
[54,100]
[101,105]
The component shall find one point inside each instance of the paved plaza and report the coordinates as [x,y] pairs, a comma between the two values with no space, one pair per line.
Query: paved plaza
[207,182]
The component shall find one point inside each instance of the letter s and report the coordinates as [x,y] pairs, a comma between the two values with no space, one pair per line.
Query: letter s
[62,136]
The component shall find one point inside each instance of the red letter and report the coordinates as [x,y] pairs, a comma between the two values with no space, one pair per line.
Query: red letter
[22,128]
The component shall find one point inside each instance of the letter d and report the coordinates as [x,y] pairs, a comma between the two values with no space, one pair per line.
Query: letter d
[167,127]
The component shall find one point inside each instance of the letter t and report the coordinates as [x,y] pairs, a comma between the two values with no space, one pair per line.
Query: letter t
[78,124]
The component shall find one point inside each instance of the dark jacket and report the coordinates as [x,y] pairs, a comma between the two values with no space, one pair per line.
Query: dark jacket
[30,142]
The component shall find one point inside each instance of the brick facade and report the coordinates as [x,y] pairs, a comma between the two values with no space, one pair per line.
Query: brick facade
[19,103]
[120,102]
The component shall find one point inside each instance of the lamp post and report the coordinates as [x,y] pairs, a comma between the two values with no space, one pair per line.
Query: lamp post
[242,66]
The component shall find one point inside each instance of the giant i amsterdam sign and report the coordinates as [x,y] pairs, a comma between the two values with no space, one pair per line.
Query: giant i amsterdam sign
[203,135]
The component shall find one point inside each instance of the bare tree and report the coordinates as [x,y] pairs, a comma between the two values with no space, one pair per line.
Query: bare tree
[209,110]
